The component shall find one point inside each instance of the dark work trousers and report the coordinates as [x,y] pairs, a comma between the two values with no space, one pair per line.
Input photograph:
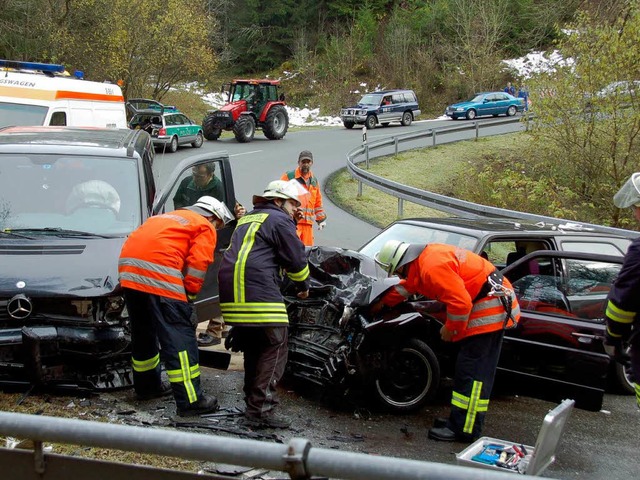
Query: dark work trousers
[161,330]
[265,357]
[473,380]
[634,352]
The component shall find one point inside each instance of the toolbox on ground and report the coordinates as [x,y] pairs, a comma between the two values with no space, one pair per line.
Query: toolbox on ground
[509,456]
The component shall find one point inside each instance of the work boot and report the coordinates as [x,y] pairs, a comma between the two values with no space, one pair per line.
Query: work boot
[205,404]
[273,420]
[164,391]
[439,422]
[208,340]
[442,434]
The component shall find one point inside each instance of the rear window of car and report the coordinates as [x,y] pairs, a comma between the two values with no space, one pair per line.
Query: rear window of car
[603,248]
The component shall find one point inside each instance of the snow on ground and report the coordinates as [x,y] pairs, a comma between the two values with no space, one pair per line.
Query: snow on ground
[537,62]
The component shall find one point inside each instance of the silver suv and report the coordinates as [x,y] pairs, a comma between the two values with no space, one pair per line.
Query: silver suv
[382,108]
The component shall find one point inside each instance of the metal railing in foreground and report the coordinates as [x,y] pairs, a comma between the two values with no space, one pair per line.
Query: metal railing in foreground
[298,458]
[437,136]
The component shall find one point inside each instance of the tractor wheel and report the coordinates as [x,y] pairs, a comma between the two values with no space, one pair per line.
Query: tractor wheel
[210,133]
[244,129]
[277,123]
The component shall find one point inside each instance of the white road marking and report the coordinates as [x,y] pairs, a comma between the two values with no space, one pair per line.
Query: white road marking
[245,153]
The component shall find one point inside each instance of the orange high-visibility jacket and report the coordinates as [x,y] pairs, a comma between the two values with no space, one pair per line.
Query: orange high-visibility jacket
[454,276]
[311,207]
[168,255]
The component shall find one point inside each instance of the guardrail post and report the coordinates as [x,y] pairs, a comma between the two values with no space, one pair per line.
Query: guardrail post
[366,155]
[359,188]
[477,130]
[395,144]
[433,137]
[400,207]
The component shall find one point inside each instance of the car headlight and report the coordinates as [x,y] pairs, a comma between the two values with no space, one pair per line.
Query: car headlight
[460,109]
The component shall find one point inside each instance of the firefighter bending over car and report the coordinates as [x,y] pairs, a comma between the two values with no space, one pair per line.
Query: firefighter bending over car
[162,268]
[480,304]
[263,245]
[311,209]
[623,302]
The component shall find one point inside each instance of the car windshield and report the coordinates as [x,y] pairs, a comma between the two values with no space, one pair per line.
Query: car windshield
[99,195]
[370,99]
[21,115]
[418,234]
[476,99]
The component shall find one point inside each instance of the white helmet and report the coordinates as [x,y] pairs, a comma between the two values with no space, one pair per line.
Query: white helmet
[289,190]
[208,206]
[629,193]
[394,254]
[93,194]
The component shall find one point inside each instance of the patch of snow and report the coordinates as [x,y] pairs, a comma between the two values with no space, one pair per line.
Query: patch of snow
[537,62]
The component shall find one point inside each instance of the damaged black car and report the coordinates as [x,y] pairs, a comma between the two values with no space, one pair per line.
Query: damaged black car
[397,357]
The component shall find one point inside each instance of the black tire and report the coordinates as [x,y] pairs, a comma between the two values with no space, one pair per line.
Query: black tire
[210,133]
[623,379]
[277,123]
[407,118]
[348,125]
[410,378]
[511,111]
[371,122]
[173,145]
[244,129]
[471,114]
[197,143]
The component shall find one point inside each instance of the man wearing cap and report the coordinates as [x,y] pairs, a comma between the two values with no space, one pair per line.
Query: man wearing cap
[480,304]
[161,268]
[263,245]
[311,209]
[623,301]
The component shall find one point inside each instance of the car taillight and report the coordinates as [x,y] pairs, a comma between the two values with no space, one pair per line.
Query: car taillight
[162,131]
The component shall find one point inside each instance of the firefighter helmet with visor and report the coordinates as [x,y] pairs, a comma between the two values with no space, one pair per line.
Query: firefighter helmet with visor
[208,206]
[394,254]
[629,193]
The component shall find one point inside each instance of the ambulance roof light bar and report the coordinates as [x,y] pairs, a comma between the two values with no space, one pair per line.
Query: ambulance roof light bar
[43,67]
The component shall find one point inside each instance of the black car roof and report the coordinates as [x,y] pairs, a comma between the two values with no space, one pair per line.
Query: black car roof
[484,226]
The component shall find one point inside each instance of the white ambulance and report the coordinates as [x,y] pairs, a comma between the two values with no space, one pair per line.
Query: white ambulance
[45,94]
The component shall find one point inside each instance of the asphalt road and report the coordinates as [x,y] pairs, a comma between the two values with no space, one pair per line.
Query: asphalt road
[596,445]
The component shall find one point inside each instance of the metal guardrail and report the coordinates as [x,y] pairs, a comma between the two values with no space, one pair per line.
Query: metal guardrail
[363,154]
[298,458]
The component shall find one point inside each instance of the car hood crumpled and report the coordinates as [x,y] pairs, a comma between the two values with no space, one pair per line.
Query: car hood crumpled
[85,267]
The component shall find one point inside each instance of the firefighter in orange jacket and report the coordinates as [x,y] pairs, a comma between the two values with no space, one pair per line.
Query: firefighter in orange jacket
[480,304]
[311,209]
[161,268]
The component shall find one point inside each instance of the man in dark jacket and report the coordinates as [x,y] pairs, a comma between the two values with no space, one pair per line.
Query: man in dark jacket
[623,301]
[263,245]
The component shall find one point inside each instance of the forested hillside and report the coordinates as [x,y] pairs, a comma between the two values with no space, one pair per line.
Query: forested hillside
[443,49]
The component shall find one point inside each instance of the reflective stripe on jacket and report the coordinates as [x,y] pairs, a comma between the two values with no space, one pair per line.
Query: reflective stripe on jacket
[623,300]
[311,207]
[263,243]
[454,276]
[168,255]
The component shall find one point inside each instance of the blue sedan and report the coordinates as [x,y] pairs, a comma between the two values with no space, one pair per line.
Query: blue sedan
[486,103]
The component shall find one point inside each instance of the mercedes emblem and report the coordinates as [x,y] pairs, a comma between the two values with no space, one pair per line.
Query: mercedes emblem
[19,307]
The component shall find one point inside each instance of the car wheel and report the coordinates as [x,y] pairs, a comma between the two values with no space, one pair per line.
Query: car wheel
[511,111]
[277,123]
[409,378]
[623,378]
[210,132]
[348,125]
[173,145]
[471,114]
[197,143]
[244,129]
[407,118]
[371,122]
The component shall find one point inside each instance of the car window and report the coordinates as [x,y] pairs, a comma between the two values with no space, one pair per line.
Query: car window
[418,234]
[568,287]
[501,96]
[195,183]
[398,98]
[96,194]
[504,252]
[604,248]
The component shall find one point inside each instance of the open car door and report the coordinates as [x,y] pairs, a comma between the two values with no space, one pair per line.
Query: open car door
[557,351]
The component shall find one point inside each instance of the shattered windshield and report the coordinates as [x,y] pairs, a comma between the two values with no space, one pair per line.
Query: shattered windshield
[50,193]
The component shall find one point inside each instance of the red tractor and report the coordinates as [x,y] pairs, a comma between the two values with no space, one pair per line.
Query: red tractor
[251,104]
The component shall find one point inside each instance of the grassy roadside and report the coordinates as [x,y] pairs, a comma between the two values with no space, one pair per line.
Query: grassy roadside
[444,169]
